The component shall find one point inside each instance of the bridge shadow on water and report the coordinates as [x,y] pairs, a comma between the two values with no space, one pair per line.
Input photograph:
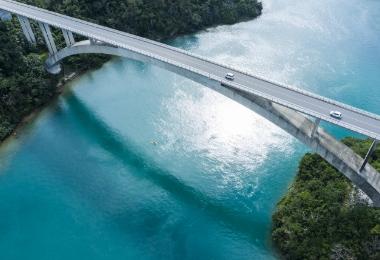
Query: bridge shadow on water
[245,223]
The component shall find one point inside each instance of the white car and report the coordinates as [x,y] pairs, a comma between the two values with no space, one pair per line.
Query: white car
[230,76]
[336,114]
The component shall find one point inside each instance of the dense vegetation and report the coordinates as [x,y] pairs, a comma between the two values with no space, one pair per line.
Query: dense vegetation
[24,85]
[158,18]
[324,217]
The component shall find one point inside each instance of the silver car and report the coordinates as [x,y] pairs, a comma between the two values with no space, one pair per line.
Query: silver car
[336,114]
[230,76]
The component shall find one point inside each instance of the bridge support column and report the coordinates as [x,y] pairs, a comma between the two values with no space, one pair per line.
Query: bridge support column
[27,29]
[5,15]
[48,37]
[315,127]
[46,32]
[69,38]
[369,153]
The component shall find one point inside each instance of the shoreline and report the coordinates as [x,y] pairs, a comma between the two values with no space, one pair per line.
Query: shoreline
[61,86]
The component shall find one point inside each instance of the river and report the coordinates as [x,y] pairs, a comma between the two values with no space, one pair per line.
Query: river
[134,162]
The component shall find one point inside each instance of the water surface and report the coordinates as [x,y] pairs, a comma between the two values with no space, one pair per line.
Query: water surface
[136,162]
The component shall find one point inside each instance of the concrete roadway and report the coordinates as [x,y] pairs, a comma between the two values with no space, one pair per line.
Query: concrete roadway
[317,106]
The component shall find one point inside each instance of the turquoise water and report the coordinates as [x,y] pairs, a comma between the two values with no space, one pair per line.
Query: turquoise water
[134,162]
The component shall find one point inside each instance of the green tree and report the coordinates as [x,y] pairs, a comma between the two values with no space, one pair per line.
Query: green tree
[322,215]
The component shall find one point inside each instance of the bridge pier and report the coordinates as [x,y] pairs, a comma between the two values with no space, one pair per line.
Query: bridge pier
[69,38]
[27,29]
[368,155]
[48,37]
[315,127]
[56,69]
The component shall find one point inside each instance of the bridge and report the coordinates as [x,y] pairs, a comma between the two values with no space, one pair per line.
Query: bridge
[296,111]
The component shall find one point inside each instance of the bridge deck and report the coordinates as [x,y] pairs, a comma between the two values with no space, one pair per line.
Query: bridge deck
[305,102]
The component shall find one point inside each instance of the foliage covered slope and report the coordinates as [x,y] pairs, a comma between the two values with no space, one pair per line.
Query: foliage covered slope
[158,18]
[24,85]
[323,217]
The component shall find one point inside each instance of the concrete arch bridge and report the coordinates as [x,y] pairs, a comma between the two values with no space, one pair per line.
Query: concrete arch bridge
[296,111]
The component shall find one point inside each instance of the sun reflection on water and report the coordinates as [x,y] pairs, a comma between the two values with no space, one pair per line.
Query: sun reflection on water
[218,129]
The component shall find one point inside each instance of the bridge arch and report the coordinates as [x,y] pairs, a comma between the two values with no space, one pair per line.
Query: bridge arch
[298,125]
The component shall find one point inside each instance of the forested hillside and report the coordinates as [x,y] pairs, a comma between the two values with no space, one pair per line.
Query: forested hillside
[158,18]
[24,85]
[322,217]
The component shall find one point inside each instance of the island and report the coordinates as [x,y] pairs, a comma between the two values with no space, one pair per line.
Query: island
[323,216]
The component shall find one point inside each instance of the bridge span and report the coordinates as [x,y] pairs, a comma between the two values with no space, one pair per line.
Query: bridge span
[283,105]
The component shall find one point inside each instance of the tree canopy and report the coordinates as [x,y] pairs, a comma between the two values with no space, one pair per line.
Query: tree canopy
[323,216]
